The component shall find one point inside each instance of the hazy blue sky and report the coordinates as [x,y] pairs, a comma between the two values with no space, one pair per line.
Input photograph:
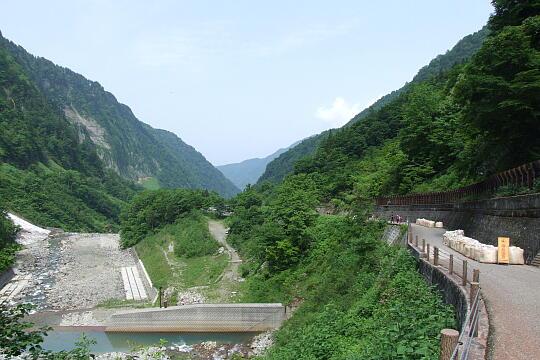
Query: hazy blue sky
[240,79]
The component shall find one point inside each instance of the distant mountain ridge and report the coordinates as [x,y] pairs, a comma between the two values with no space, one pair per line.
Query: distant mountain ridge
[249,171]
[461,52]
[129,147]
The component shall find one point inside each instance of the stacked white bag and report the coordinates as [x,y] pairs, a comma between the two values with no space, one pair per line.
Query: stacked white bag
[427,223]
[516,255]
[474,249]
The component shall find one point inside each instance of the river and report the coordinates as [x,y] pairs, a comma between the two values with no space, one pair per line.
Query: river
[121,342]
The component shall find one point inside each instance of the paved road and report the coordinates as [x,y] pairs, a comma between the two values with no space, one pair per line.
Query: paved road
[512,296]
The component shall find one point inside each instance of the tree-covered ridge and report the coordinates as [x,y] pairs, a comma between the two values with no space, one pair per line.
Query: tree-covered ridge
[460,53]
[46,173]
[451,130]
[150,211]
[131,148]
[277,169]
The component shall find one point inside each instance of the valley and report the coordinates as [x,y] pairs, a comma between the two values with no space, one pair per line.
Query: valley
[113,228]
[78,281]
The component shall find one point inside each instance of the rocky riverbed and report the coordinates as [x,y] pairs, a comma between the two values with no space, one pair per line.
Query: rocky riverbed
[209,350]
[72,271]
[89,272]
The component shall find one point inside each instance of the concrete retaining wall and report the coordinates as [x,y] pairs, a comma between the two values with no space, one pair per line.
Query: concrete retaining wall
[201,318]
[152,292]
[516,217]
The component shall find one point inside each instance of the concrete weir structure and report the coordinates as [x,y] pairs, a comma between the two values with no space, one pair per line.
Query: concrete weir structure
[201,318]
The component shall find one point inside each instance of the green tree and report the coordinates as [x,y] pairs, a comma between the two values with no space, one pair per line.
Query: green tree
[500,95]
[512,12]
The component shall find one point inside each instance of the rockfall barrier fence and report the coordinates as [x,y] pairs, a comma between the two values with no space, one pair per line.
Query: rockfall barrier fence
[524,175]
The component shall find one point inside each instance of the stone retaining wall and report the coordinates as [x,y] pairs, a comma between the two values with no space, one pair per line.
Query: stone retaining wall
[516,217]
[451,292]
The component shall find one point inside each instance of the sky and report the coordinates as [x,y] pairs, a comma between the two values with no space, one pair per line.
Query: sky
[240,79]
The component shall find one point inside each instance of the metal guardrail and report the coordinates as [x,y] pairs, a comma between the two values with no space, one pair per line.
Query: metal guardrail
[469,332]
[524,175]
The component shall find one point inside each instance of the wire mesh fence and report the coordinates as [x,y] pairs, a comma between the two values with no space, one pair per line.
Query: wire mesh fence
[524,175]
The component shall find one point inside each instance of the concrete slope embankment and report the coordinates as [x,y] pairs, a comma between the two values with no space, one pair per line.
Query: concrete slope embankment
[201,318]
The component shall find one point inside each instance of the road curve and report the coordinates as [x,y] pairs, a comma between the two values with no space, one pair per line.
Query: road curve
[512,296]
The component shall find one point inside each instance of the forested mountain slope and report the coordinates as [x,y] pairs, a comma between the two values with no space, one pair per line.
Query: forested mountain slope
[48,173]
[460,53]
[249,171]
[451,129]
[277,169]
[131,148]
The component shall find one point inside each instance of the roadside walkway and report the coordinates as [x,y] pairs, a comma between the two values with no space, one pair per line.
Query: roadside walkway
[512,297]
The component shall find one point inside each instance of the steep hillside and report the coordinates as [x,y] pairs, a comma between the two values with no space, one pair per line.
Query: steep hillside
[249,171]
[451,130]
[460,53]
[47,173]
[277,169]
[129,147]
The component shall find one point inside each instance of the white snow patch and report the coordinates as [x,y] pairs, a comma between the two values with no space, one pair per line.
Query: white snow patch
[29,233]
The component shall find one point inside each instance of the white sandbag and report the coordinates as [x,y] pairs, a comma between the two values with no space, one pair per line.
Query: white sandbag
[477,254]
[469,250]
[488,255]
[439,224]
[516,255]
[430,223]
[445,240]
[460,246]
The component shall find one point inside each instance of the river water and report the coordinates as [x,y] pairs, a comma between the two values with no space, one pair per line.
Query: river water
[121,342]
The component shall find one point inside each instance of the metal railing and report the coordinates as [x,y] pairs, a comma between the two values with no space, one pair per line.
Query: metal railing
[524,175]
[469,331]
[439,257]
[468,275]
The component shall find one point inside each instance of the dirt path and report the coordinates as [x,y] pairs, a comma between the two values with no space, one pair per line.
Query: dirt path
[512,295]
[231,274]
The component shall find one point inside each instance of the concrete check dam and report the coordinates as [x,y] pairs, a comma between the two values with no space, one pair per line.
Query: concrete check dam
[256,317]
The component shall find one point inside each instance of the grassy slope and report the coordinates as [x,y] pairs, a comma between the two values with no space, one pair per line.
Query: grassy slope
[151,183]
[171,269]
